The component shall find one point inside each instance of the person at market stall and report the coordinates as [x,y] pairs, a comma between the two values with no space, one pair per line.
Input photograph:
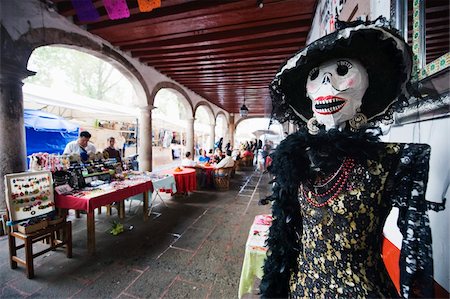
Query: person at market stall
[203,158]
[226,162]
[81,146]
[218,155]
[188,161]
[111,151]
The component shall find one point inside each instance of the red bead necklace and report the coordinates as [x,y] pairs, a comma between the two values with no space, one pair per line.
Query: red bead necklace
[341,174]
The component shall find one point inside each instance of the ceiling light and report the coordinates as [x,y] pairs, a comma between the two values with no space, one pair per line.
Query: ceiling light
[243,112]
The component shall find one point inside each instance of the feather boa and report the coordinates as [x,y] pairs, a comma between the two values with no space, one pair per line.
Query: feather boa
[299,157]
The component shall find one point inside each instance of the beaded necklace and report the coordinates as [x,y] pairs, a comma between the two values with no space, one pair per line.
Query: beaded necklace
[338,180]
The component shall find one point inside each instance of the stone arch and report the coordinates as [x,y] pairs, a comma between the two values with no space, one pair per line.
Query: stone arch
[248,117]
[166,84]
[212,119]
[39,37]
[224,115]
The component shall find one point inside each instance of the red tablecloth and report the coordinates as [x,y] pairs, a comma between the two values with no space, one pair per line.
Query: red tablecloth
[209,173]
[89,203]
[186,180]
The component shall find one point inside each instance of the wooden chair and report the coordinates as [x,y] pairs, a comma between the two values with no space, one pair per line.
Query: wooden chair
[247,161]
[222,178]
[233,169]
[51,233]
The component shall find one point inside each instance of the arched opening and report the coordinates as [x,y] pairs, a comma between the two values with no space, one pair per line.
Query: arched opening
[169,130]
[89,89]
[221,130]
[251,129]
[203,139]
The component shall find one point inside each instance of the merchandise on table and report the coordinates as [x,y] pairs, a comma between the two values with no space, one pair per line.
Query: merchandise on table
[29,194]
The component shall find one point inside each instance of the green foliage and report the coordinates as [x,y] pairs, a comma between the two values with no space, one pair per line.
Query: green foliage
[86,75]
[117,228]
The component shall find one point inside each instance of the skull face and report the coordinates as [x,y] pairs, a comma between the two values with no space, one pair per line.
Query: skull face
[336,89]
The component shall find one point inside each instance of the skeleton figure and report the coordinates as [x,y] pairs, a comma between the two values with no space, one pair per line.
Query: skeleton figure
[336,89]
[335,182]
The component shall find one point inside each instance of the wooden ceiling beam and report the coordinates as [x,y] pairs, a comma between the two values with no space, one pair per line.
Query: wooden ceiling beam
[211,33]
[218,39]
[194,20]
[220,66]
[283,49]
[218,62]
[288,40]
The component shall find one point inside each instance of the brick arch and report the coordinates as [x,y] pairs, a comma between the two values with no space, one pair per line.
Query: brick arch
[212,119]
[39,37]
[166,84]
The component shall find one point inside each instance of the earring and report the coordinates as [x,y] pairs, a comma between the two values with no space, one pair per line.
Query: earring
[357,121]
[313,126]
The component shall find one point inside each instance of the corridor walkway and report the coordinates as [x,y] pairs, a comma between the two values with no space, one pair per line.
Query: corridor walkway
[193,248]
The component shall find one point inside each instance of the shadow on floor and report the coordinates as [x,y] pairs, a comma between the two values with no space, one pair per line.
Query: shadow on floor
[193,248]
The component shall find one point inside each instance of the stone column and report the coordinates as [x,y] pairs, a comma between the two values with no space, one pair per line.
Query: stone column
[145,138]
[231,129]
[190,135]
[12,130]
[212,136]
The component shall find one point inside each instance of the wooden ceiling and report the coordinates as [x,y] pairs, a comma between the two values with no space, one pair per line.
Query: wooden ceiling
[226,50]
[221,50]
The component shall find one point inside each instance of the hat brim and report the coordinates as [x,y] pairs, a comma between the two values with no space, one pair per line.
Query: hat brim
[385,55]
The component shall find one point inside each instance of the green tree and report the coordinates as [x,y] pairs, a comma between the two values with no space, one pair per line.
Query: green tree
[87,75]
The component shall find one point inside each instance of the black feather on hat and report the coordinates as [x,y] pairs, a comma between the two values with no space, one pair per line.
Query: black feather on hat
[385,55]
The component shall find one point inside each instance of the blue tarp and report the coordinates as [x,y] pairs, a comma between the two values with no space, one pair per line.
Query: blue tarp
[46,132]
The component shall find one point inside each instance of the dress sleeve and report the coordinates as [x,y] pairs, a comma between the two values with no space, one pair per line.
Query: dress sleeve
[416,262]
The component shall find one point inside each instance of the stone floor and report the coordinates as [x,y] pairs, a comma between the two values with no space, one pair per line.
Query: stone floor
[193,248]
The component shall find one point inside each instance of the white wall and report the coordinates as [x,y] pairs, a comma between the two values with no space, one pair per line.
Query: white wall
[436,134]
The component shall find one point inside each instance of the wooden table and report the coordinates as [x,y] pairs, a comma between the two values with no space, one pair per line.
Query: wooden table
[88,201]
[255,254]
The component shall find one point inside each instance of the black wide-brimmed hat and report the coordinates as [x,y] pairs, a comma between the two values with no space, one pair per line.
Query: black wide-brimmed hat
[385,55]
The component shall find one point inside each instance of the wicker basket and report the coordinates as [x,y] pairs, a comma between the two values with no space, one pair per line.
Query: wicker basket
[222,178]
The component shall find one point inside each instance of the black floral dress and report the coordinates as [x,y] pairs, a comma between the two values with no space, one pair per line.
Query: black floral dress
[341,240]
[319,250]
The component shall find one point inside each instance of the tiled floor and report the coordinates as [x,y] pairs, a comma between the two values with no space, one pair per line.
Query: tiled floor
[193,248]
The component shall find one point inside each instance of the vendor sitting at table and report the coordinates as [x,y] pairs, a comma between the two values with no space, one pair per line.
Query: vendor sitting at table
[218,155]
[111,152]
[226,162]
[203,158]
[81,146]
[188,161]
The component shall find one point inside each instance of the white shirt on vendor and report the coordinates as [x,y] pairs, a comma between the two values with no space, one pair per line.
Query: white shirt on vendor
[74,147]
[226,162]
[186,162]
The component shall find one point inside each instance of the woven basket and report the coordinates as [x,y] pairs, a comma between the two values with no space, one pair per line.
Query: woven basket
[222,178]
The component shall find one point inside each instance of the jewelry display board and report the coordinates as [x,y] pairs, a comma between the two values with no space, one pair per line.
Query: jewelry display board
[29,194]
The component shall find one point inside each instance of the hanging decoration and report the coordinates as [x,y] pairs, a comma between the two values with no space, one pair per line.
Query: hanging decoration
[86,11]
[116,9]
[148,5]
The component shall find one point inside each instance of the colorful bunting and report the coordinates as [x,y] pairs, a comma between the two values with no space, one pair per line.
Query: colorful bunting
[148,5]
[116,9]
[86,11]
